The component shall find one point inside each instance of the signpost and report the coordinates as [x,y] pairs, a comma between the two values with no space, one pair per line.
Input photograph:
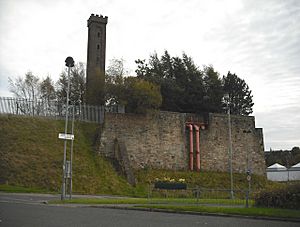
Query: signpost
[66,136]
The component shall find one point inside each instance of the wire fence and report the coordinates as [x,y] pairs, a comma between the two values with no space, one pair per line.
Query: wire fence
[51,109]
[202,196]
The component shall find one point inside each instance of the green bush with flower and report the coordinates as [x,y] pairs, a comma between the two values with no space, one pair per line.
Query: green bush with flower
[170,183]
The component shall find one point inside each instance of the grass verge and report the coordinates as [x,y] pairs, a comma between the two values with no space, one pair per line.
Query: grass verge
[185,205]
[19,189]
[253,211]
[177,201]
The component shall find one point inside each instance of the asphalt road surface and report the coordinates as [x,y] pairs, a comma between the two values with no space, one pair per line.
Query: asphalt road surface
[30,212]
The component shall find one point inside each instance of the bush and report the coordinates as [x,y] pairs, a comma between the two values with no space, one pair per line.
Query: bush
[284,197]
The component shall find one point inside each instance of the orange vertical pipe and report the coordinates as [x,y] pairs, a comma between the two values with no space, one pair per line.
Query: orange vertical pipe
[197,147]
[191,147]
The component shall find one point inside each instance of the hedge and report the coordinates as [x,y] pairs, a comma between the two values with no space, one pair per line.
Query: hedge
[285,197]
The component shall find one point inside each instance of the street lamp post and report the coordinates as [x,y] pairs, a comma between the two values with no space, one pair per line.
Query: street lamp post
[69,63]
[248,172]
[226,98]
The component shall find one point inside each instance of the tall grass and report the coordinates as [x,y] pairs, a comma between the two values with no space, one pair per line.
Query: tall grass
[31,155]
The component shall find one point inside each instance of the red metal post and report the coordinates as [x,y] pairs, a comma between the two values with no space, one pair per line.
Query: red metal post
[197,147]
[191,147]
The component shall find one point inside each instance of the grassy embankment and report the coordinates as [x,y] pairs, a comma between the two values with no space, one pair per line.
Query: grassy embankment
[31,157]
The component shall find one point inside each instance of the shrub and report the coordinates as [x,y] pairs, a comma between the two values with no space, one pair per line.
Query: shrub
[284,197]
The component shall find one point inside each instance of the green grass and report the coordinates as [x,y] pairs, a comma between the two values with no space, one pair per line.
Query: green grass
[18,189]
[218,206]
[102,201]
[216,180]
[31,156]
[177,201]
[253,211]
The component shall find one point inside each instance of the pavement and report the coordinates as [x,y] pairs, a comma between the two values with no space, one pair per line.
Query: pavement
[33,198]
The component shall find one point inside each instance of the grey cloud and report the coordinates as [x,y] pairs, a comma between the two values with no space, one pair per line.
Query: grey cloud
[281,127]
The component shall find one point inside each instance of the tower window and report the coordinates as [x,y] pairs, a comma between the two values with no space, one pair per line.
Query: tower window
[98,34]
[98,46]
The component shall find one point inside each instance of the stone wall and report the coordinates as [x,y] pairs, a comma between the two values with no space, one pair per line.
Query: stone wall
[162,141]
[247,145]
[151,141]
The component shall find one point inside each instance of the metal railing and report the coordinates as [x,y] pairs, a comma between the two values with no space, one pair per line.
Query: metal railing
[201,196]
[52,109]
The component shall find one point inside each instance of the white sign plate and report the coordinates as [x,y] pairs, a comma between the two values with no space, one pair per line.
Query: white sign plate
[65,136]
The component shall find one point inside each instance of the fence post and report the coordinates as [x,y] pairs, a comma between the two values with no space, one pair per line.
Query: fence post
[102,114]
[198,195]
[80,112]
[247,198]
[149,189]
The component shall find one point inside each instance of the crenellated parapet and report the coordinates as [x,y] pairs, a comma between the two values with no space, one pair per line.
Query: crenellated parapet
[97,18]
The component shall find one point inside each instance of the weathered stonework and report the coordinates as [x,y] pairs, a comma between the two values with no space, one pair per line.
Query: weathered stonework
[162,141]
[247,143]
[156,142]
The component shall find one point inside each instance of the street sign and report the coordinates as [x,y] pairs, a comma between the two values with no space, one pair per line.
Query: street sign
[65,136]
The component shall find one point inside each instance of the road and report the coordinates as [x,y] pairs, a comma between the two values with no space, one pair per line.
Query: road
[31,212]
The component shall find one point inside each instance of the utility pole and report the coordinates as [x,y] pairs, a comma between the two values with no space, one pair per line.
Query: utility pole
[227,100]
[248,172]
[71,156]
[69,63]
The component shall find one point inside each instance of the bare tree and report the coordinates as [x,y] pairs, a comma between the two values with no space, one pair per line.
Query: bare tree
[114,81]
[116,71]
[27,88]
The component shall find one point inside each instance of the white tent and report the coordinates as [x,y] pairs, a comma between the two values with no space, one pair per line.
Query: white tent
[296,166]
[277,172]
[276,166]
[294,172]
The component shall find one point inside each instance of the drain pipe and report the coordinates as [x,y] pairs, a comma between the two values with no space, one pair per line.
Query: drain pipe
[197,147]
[191,146]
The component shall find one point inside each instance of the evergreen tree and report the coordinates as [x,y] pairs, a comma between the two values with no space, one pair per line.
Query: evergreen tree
[213,89]
[186,88]
[61,88]
[240,98]
[77,85]
[180,80]
[47,91]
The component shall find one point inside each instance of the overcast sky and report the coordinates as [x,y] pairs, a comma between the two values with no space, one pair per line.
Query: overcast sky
[259,40]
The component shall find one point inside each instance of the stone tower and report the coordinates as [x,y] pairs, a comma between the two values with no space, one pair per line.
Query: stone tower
[95,70]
